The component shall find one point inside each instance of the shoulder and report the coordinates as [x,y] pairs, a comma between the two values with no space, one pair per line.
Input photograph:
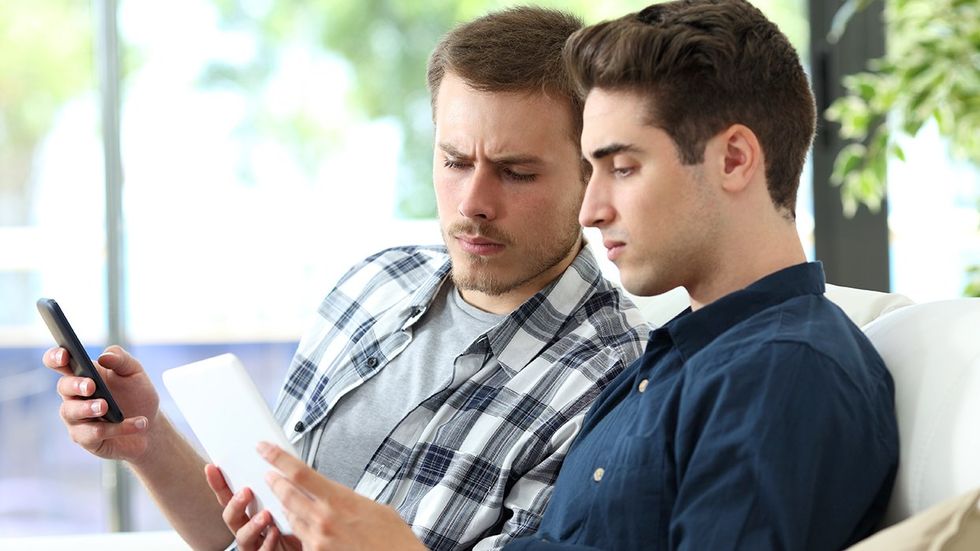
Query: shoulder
[618,324]
[402,264]
[805,351]
[403,261]
[605,330]
[808,328]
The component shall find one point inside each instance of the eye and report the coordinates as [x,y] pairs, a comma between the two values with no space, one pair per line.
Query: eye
[452,164]
[518,176]
[622,171]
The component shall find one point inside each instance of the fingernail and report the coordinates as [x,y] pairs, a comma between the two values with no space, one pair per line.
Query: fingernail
[140,423]
[106,355]
[83,388]
[59,355]
[96,407]
[264,448]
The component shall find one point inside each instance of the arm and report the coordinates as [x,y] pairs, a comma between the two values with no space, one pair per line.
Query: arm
[329,516]
[326,515]
[172,473]
[528,497]
[164,462]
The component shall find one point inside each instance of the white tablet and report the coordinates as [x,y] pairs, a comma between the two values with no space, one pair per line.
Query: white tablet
[229,416]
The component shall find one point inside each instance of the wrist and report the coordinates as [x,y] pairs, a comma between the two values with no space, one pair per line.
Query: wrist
[159,437]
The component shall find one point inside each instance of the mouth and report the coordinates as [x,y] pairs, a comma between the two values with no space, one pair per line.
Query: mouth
[614,249]
[477,245]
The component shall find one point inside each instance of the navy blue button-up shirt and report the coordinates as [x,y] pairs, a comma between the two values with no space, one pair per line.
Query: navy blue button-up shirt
[764,420]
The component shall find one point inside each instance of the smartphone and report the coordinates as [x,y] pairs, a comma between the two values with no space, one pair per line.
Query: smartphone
[80,363]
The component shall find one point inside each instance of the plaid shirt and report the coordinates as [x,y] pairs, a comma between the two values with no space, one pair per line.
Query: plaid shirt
[473,465]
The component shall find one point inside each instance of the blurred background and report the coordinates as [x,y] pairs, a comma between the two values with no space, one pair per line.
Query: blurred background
[190,177]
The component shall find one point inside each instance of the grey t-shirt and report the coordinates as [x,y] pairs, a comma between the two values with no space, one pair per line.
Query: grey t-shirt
[361,419]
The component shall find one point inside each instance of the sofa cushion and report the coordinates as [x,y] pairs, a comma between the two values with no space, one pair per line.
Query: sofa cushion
[953,525]
[863,306]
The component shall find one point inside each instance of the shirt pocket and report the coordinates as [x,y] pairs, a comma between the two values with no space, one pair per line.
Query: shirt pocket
[629,497]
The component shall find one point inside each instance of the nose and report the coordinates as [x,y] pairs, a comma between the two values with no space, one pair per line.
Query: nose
[480,195]
[596,209]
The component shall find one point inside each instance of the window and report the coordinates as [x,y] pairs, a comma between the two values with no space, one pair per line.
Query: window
[52,242]
[933,219]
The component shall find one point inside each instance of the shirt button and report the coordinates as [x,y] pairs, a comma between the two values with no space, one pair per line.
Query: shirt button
[597,474]
[299,426]
[643,385]
[372,362]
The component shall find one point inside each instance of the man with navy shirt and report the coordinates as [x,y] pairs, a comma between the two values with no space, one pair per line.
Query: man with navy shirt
[761,417]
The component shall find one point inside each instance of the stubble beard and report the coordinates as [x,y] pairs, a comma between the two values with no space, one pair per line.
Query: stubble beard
[483,274]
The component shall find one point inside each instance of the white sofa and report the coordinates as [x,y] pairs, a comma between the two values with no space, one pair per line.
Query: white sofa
[931,349]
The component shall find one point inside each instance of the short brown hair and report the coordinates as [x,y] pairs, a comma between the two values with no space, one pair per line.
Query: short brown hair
[514,50]
[706,65]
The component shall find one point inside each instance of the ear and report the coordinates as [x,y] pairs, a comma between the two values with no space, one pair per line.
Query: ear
[739,156]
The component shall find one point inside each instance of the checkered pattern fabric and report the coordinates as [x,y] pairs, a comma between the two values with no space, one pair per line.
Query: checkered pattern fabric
[474,465]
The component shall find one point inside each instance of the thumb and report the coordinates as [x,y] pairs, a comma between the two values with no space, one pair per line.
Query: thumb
[118,360]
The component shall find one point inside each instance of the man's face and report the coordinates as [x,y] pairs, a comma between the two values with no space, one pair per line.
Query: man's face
[658,218]
[508,185]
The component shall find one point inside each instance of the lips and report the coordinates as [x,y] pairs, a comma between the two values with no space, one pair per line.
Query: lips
[477,245]
[614,249]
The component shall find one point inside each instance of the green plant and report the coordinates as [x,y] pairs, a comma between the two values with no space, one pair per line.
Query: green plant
[931,72]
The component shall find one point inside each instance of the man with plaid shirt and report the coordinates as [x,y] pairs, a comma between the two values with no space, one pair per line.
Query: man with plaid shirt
[444,382]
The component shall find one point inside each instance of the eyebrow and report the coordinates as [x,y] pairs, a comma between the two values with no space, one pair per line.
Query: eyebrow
[503,160]
[614,148]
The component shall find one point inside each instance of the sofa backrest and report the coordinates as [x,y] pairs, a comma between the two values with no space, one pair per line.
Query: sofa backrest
[860,305]
[933,353]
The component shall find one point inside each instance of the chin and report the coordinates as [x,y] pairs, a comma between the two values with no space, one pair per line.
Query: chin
[644,287]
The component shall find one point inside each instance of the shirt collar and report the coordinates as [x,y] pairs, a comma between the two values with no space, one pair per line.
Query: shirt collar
[539,321]
[692,331]
[519,338]
[426,293]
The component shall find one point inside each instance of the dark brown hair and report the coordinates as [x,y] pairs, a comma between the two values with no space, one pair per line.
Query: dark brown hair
[706,65]
[514,50]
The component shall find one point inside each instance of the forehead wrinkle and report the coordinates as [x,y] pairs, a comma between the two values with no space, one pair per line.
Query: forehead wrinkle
[504,159]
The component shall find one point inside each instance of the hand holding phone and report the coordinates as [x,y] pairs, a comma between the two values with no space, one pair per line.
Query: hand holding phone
[81,364]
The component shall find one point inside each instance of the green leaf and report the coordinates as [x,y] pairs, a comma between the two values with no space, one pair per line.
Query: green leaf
[847,162]
[897,152]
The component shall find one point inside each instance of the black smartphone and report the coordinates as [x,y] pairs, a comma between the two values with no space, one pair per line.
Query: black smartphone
[81,364]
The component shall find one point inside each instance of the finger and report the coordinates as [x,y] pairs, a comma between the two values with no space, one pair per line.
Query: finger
[271,539]
[72,387]
[216,480]
[90,434]
[249,536]
[57,359]
[118,360]
[234,513]
[298,472]
[82,410]
[300,527]
[293,499]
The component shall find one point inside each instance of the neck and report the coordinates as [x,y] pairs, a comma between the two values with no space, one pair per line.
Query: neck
[750,257]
